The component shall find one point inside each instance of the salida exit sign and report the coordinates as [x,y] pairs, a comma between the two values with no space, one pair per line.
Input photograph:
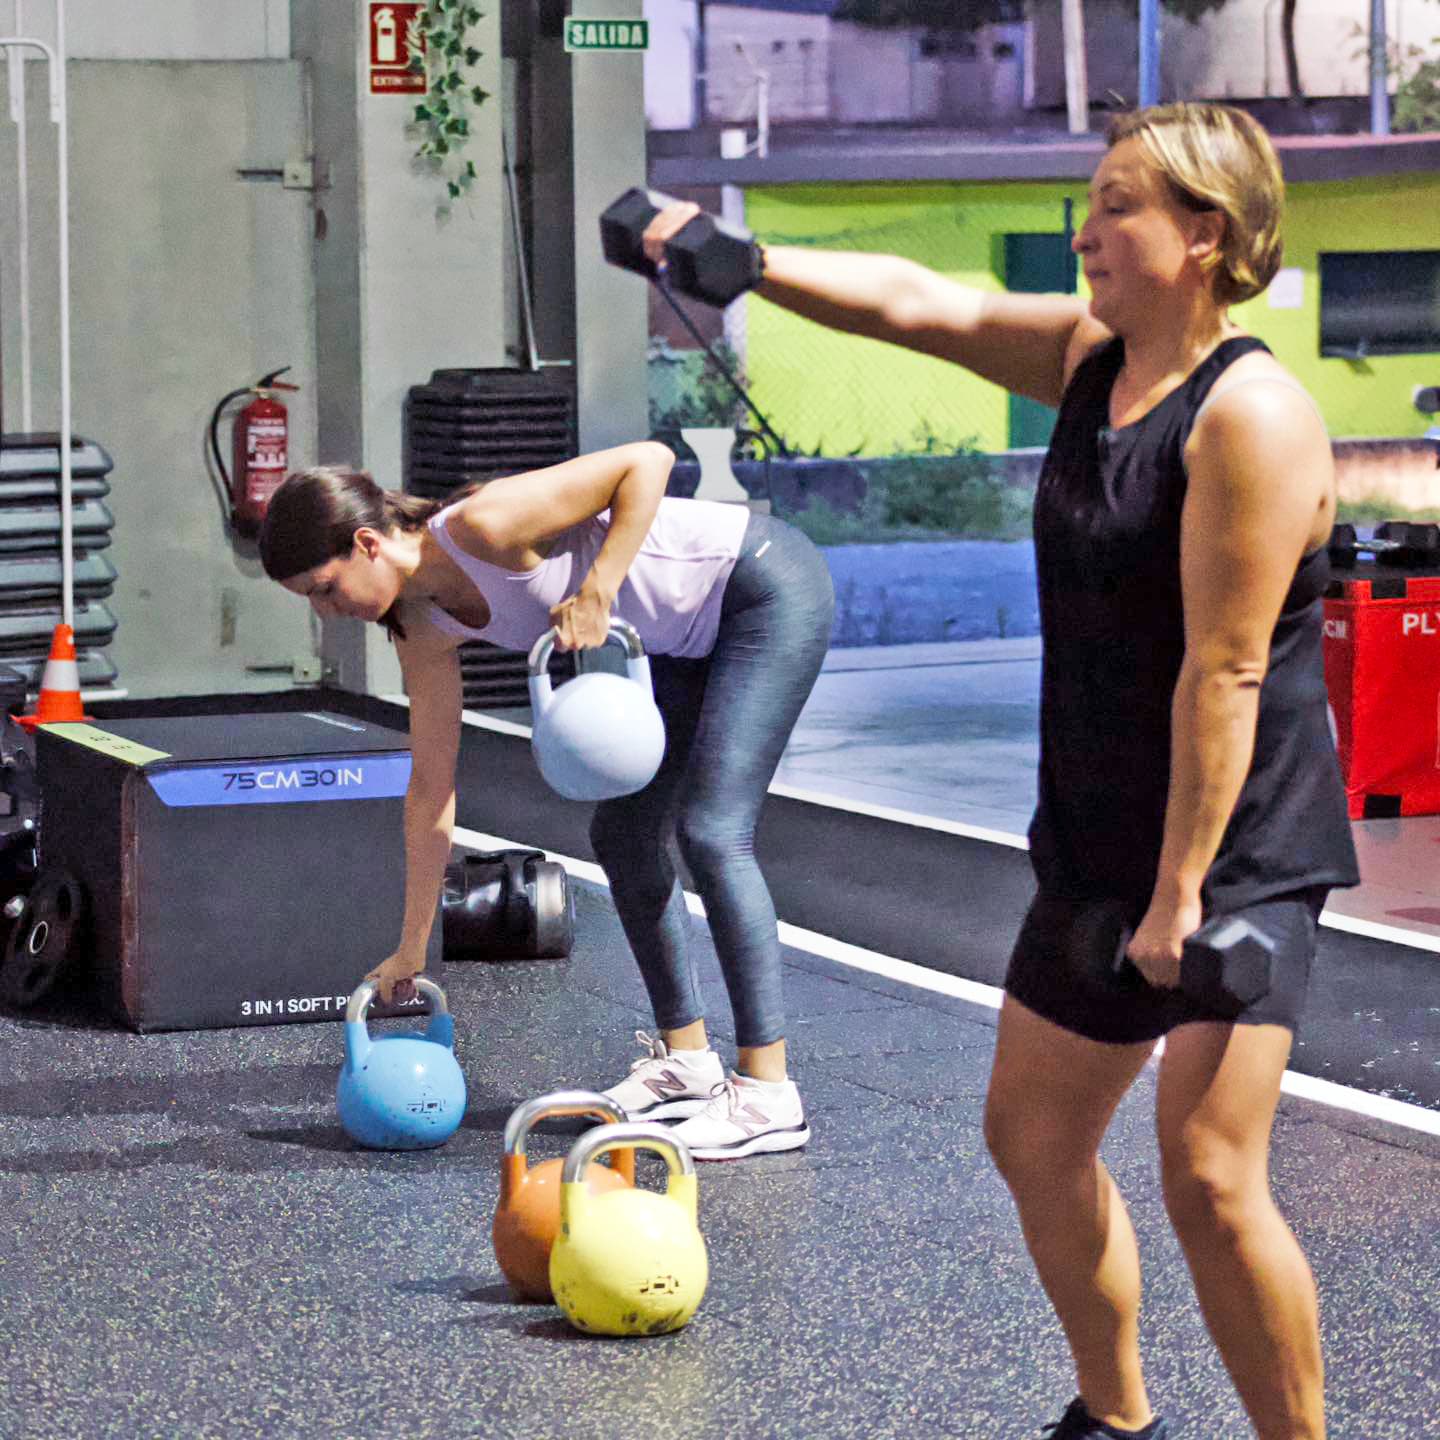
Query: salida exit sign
[607,34]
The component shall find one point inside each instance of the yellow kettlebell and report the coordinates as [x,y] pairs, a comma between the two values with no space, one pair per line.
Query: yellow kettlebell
[629,1262]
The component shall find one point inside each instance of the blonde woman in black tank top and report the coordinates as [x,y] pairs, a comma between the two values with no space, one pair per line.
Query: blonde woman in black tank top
[1186,768]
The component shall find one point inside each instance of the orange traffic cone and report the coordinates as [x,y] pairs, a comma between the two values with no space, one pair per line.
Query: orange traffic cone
[59,685]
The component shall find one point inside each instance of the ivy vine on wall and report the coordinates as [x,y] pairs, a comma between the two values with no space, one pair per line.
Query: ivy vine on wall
[439,47]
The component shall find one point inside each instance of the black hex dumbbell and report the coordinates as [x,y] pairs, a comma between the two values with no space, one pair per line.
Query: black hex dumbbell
[1415,545]
[622,224]
[1343,545]
[1225,965]
[507,905]
[1407,543]
[708,259]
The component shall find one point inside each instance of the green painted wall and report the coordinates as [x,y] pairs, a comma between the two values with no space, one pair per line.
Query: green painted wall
[1370,397]
[839,394]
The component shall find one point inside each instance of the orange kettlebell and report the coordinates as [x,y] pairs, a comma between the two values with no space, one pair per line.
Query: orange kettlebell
[527,1219]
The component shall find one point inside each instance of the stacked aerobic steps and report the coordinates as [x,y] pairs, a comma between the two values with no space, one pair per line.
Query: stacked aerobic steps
[30,566]
[470,425]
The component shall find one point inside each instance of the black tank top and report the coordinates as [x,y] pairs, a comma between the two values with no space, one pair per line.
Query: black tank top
[1107,554]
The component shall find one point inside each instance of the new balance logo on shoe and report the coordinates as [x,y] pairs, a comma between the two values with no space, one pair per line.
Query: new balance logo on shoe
[746,1119]
[666,1084]
[749,1119]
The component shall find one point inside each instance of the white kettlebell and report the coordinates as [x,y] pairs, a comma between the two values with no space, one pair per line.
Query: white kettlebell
[598,735]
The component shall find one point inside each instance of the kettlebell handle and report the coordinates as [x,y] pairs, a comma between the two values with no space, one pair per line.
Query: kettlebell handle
[621,630]
[563,1102]
[635,1133]
[367,990]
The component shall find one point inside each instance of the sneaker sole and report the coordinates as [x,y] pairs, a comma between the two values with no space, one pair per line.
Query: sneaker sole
[670,1109]
[769,1143]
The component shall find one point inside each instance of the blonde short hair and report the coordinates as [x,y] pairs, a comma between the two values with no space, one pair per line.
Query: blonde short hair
[1216,157]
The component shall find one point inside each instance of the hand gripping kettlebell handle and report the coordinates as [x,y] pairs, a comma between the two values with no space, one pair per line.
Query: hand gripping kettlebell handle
[367,990]
[621,630]
[634,1133]
[563,1102]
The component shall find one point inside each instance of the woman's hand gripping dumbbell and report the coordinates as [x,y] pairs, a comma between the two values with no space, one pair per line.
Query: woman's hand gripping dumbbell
[698,254]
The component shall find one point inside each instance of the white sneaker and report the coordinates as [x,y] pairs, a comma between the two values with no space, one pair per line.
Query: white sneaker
[746,1117]
[667,1084]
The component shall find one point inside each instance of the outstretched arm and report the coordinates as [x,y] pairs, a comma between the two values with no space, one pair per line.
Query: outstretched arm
[1026,343]
[1020,342]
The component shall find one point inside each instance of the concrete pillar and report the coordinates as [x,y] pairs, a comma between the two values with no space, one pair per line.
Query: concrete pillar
[400,290]
[611,306]
[544,152]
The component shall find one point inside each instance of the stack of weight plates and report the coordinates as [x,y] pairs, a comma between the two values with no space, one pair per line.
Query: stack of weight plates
[30,568]
[469,425]
[473,425]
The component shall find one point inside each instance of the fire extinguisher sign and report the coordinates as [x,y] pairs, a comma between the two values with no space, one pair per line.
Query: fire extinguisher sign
[397,49]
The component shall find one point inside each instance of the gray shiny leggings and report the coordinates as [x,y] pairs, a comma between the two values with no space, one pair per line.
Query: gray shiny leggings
[727,720]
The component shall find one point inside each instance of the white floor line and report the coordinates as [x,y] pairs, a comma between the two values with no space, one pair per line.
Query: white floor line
[1305,1087]
[1375,930]
[1332,920]
[903,817]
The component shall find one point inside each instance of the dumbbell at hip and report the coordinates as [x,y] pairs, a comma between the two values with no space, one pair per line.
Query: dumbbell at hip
[708,259]
[1225,965]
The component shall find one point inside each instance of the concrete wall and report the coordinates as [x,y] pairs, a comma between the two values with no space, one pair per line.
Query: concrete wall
[161,29]
[608,103]
[793,50]
[1235,52]
[403,286]
[874,76]
[187,282]
[1402,473]
[877,75]
[1242,53]
[670,65]
[985,87]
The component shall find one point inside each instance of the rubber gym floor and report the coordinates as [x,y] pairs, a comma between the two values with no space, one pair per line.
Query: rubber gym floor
[193,1248]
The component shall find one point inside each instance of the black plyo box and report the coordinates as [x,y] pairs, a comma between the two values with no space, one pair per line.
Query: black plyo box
[240,869]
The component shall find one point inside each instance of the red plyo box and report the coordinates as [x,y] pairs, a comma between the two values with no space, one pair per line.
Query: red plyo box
[1382,669]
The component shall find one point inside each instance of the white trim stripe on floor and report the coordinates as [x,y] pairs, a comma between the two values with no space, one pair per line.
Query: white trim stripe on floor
[1332,920]
[1376,930]
[1305,1087]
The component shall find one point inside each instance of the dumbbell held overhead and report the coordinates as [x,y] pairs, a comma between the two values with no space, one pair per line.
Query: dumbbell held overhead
[708,259]
[1225,965]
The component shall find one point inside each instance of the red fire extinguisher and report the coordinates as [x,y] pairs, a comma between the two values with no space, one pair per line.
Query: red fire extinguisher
[260,452]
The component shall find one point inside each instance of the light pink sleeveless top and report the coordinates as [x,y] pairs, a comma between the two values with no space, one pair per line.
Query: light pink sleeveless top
[671,595]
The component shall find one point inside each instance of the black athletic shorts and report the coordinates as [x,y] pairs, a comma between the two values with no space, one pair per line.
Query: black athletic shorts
[1085,996]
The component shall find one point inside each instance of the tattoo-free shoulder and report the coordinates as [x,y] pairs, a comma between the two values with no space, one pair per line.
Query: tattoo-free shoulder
[1255,374]
[1089,336]
[422,635]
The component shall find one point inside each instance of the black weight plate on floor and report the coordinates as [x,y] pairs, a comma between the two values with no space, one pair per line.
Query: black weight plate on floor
[42,939]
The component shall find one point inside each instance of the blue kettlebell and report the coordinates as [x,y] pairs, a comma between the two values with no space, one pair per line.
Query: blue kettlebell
[403,1091]
[598,735]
